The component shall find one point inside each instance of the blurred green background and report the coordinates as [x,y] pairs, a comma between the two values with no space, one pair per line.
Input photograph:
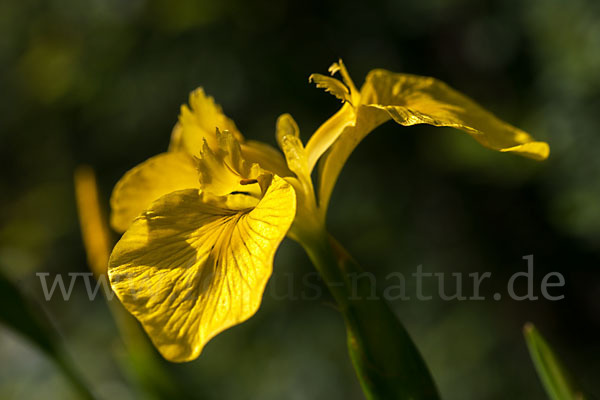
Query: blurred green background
[101,81]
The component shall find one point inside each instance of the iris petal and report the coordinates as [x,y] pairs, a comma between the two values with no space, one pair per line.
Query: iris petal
[198,122]
[409,100]
[188,268]
[155,177]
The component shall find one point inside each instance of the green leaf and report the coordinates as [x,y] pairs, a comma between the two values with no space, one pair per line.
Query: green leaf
[19,315]
[548,367]
[386,360]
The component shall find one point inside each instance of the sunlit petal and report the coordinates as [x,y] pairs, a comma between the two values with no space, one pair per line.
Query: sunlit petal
[198,122]
[188,268]
[148,181]
[331,85]
[411,99]
[328,133]
[408,100]
[307,219]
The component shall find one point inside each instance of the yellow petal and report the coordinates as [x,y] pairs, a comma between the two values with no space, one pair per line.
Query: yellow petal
[411,99]
[176,143]
[224,172]
[332,162]
[307,218]
[199,122]
[328,133]
[345,91]
[288,138]
[331,85]
[266,156]
[341,68]
[189,269]
[148,181]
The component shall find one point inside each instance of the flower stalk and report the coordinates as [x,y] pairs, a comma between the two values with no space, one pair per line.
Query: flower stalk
[386,360]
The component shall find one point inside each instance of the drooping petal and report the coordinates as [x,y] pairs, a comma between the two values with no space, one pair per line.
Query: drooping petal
[155,177]
[409,100]
[199,122]
[188,268]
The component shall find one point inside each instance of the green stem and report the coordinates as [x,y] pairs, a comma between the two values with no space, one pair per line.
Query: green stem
[386,360]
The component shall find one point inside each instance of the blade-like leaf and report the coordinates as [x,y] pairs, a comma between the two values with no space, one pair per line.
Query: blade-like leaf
[548,367]
[386,360]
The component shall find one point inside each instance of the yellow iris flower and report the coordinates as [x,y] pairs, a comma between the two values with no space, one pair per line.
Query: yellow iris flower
[203,221]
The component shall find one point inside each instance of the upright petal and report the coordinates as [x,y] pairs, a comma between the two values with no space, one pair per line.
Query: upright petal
[328,133]
[203,118]
[198,122]
[307,220]
[225,173]
[155,177]
[288,138]
[188,268]
[176,142]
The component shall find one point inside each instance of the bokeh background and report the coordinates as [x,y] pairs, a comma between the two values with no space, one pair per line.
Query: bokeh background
[100,82]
